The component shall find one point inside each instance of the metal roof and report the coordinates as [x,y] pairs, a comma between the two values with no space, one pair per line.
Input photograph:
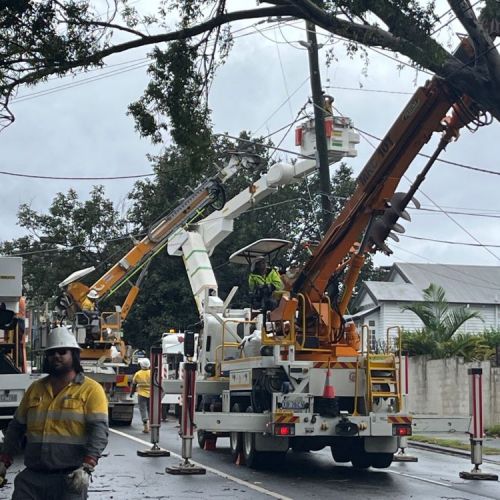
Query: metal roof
[387,291]
[463,284]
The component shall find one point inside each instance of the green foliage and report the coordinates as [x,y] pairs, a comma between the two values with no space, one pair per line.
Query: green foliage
[493,430]
[438,338]
[74,234]
[471,347]
[175,92]
[439,318]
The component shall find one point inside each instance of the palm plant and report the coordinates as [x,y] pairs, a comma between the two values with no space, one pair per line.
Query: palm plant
[439,318]
[441,321]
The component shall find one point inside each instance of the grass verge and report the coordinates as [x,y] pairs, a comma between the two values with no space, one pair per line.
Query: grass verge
[452,443]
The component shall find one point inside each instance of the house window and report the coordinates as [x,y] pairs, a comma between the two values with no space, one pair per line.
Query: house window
[371,322]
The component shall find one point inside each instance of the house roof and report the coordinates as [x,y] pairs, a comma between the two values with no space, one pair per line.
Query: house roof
[462,284]
[360,314]
[386,291]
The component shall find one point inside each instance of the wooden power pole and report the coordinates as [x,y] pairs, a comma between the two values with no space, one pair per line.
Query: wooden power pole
[319,126]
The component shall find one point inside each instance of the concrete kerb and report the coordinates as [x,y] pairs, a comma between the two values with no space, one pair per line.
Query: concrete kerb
[452,451]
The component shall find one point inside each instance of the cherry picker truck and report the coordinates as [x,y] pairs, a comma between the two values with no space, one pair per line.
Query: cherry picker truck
[310,384]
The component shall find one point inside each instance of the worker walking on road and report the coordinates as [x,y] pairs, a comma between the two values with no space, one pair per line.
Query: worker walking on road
[142,384]
[64,419]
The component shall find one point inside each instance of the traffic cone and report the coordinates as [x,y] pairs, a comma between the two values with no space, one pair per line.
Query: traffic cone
[240,459]
[210,444]
[329,390]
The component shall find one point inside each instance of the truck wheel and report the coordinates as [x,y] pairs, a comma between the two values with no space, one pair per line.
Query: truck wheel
[361,460]
[340,454]
[381,460]
[235,438]
[252,456]
[177,411]
[235,444]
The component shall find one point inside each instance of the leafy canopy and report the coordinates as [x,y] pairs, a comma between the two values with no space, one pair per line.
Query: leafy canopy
[56,37]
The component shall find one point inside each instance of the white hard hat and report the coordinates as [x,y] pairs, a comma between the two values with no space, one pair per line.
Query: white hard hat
[144,363]
[60,337]
[93,295]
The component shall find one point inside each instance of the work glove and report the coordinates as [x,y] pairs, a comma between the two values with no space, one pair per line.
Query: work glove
[79,480]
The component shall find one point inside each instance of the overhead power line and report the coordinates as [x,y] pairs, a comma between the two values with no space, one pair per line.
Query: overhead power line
[54,177]
[448,242]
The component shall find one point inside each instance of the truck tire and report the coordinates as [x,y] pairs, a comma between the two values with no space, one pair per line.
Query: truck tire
[381,460]
[235,438]
[177,410]
[235,444]
[340,454]
[253,458]
[361,460]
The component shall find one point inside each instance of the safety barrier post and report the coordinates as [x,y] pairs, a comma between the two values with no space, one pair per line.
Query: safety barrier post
[476,436]
[187,424]
[155,406]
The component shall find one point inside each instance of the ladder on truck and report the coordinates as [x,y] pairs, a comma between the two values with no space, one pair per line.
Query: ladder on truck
[383,372]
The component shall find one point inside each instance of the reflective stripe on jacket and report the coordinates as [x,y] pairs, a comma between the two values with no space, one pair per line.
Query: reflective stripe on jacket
[142,379]
[60,430]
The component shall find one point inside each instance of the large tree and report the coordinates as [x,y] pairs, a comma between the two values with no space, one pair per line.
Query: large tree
[56,37]
[73,234]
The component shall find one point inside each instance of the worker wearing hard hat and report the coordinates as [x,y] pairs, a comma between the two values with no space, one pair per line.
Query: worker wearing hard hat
[64,417]
[141,383]
[261,275]
[88,303]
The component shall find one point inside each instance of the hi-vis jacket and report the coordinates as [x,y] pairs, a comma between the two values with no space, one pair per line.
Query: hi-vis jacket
[143,380]
[60,430]
[271,278]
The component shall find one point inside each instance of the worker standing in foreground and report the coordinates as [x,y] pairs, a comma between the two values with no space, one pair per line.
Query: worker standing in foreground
[142,384]
[64,418]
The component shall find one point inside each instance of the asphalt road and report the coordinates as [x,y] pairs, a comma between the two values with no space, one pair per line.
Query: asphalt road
[315,474]
[122,475]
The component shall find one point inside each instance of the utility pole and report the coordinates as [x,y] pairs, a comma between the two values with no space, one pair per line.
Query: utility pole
[319,126]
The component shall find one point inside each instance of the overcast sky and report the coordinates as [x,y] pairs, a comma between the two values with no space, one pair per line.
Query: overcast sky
[84,131]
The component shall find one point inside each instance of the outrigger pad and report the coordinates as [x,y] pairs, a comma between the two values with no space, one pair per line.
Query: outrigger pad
[184,469]
[402,457]
[153,453]
[479,476]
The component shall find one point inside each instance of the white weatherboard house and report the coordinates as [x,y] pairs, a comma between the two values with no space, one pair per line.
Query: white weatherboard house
[379,303]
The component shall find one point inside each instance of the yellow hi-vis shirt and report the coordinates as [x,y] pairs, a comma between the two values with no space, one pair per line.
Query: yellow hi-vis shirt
[143,380]
[60,430]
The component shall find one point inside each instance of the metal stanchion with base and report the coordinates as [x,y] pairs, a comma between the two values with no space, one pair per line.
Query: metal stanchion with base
[401,455]
[186,467]
[155,406]
[476,436]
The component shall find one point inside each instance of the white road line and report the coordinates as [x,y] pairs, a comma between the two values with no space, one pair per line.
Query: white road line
[419,478]
[210,469]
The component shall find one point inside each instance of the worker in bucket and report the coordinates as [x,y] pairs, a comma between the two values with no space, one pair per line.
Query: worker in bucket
[260,274]
[64,419]
[265,284]
[141,383]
